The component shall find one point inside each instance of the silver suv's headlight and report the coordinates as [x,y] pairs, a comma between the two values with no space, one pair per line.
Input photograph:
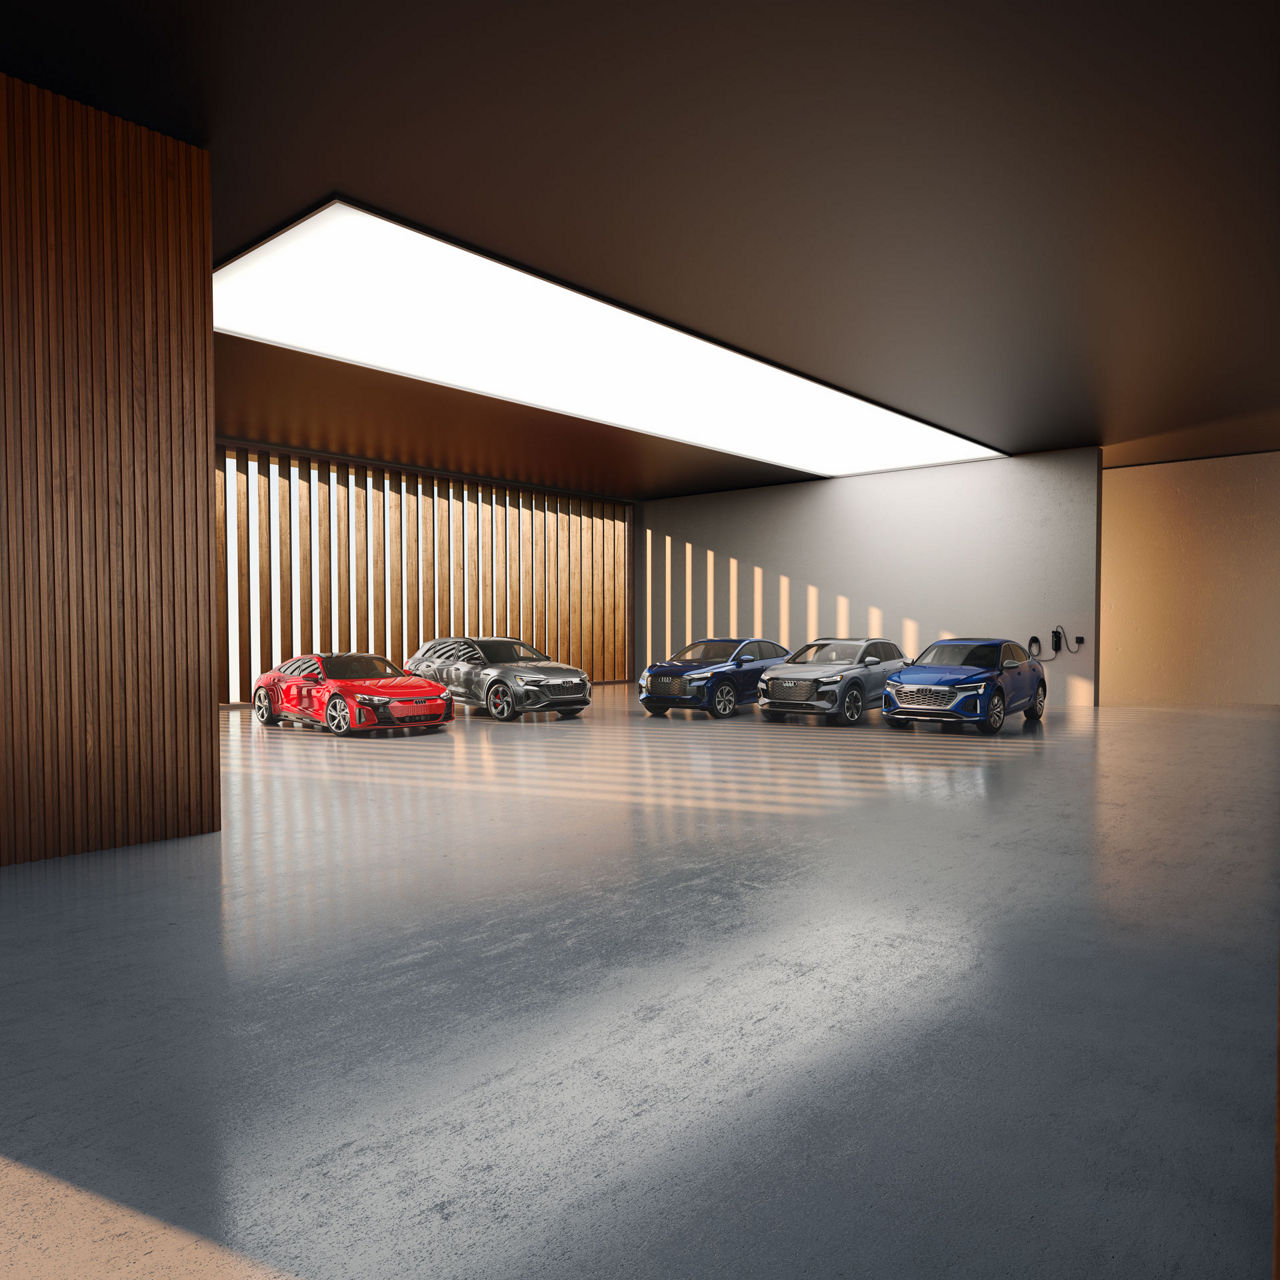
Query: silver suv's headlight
[830,679]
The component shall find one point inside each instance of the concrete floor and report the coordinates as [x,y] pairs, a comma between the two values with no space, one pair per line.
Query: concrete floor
[667,998]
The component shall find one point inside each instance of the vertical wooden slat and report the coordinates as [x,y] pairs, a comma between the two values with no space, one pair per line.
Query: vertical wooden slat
[457,558]
[413,633]
[575,582]
[395,582]
[427,555]
[360,542]
[552,639]
[608,670]
[220,532]
[444,572]
[622,592]
[245,657]
[265,630]
[342,514]
[470,521]
[500,562]
[538,503]
[284,479]
[526,566]
[324,559]
[305,636]
[378,559]
[563,593]
[588,598]
[484,556]
[513,562]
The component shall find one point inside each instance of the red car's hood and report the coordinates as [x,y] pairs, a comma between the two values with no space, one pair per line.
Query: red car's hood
[392,687]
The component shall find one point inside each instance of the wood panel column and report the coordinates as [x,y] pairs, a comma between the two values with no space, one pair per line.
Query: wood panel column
[108,574]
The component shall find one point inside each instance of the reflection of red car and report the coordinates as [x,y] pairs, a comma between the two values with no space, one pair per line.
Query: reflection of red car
[348,691]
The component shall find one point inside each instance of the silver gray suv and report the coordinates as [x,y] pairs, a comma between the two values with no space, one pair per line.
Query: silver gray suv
[830,677]
[505,676]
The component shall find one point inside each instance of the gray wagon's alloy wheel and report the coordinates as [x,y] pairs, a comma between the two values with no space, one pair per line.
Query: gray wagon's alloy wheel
[994,718]
[657,711]
[262,708]
[337,716]
[1036,709]
[724,701]
[501,702]
[850,711]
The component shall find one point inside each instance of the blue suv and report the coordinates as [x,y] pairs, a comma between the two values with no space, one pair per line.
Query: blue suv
[714,676]
[966,682]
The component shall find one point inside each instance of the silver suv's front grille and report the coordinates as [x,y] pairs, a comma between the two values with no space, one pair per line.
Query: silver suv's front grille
[925,696]
[668,686]
[792,690]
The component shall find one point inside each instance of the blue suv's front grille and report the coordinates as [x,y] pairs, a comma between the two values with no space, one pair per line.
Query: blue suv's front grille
[668,686]
[920,696]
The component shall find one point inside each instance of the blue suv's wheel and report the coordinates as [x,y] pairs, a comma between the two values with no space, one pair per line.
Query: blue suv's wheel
[1036,709]
[993,721]
[724,700]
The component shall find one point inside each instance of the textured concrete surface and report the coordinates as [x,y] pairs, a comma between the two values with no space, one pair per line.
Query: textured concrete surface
[677,998]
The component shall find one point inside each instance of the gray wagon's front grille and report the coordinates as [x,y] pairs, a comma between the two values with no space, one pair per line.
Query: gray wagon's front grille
[921,696]
[792,690]
[564,688]
[668,686]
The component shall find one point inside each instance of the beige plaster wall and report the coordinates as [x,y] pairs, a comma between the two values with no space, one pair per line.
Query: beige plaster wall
[1190,583]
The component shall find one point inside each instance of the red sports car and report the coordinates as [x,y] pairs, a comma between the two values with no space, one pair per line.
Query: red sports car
[346,692]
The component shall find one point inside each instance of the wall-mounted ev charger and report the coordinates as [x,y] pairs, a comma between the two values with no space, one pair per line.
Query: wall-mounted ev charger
[1058,641]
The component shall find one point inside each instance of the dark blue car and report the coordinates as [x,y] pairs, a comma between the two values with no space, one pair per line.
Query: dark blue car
[966,682]
[714,676]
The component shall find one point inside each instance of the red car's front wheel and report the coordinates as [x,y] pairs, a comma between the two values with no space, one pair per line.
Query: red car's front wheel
[337,716]
[262,708]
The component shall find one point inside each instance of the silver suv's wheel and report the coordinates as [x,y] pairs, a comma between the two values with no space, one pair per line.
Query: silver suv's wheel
[850,708]
[337,716]
[724,700]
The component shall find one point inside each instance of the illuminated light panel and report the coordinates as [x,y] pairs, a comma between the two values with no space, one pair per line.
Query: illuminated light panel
[349,285]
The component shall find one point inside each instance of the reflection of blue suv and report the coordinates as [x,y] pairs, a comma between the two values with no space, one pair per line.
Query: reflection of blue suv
[966,682]
[713,676]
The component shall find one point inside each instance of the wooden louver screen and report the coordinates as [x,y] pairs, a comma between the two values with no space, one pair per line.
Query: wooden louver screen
[315,555]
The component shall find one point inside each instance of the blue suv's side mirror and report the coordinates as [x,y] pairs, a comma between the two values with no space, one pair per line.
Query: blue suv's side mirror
[1010,665]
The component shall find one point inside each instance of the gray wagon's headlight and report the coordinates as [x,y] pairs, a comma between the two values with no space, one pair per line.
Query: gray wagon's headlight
[370,701]
[528,679]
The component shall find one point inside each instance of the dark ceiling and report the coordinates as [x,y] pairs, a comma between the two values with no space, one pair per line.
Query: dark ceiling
[1038,225]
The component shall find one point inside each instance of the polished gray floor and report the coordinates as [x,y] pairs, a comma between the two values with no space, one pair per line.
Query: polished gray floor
[666,998]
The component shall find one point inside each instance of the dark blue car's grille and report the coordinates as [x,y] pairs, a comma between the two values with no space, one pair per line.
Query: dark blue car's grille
[792,690]
[920,696]
[668,686]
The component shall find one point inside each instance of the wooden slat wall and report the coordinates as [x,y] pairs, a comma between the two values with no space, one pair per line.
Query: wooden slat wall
[432,556]
[109,567]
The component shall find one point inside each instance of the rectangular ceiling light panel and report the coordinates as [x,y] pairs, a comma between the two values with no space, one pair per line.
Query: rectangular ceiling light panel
[352,286]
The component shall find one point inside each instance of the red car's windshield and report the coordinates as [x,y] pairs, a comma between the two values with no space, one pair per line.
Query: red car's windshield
[359,666]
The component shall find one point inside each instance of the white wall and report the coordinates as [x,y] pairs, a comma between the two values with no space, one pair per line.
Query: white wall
[1191,582]
[1007,547]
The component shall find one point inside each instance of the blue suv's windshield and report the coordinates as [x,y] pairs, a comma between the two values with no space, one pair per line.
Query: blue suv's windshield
[960,655]
[707,651]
